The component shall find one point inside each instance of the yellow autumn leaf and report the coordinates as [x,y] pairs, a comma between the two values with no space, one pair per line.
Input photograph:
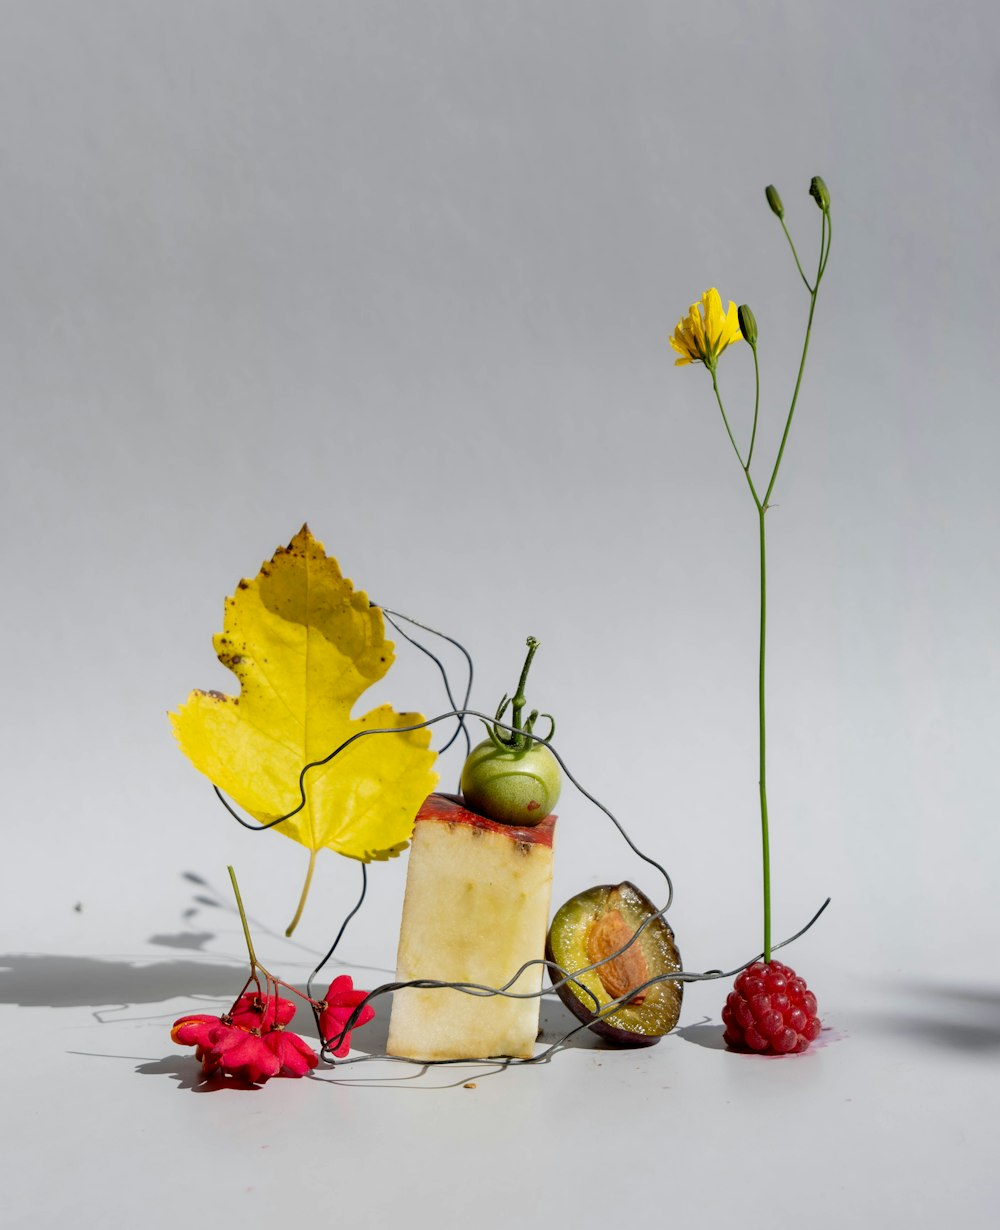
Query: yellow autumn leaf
[305,645]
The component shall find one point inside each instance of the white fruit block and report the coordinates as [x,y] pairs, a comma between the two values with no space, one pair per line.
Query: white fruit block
[476,908]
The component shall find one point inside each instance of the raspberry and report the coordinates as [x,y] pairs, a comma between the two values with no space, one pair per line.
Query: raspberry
[770,1011]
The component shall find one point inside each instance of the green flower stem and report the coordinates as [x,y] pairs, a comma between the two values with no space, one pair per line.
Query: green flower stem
[796,255]
[824,252]
[828,223]
[762,727]
[761,724]
[725,419]
[289,930]
[243,920]
[756,406]
[744,465]
[762,507]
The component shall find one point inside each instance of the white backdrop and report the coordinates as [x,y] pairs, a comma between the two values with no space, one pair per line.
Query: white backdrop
[408,271]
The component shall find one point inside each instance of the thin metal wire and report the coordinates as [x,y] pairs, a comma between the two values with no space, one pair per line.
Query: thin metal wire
[559,976]
[391,617]
[603,1011]
[443,717]
[343,927]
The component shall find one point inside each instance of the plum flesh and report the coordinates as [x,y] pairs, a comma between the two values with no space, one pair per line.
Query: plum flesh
[591,927]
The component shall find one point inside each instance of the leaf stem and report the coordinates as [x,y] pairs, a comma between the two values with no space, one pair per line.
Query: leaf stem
[243,920]
[305,893]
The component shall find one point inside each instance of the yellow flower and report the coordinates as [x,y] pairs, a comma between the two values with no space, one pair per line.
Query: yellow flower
[705,332]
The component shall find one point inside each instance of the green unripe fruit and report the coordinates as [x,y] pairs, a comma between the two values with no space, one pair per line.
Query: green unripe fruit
[511,787]
[512,777]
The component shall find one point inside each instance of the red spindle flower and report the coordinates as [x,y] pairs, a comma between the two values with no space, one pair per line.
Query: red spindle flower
[195,1030]
[255,1011]
[295,1056]
[335,1011]
[243,1053]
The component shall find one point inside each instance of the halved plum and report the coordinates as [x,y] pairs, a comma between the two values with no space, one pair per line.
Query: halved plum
[589,928]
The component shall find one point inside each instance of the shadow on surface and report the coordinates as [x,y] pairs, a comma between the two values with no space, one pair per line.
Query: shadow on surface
[964,1018]
[190,941]
[977,996]
[971,1036]
[556,1020]
[38,980]
[704,1033]
[185,1070]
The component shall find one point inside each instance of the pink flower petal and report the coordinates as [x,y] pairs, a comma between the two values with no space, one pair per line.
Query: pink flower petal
[195,1030]
[295,1056]
[341,1000]
[253,1011]
[244,1053]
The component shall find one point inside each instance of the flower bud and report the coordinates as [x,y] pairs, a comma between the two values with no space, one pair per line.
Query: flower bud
[774,200]
[748,324]
[820,193]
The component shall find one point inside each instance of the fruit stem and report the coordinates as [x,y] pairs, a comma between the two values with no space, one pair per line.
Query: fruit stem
[243,920]
[518,741]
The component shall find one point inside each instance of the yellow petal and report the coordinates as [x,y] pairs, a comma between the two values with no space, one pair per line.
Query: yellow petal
[713,316]
[731,332]
[697,330]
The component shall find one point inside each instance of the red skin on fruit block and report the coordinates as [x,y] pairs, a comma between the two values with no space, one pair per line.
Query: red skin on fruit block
[451,809]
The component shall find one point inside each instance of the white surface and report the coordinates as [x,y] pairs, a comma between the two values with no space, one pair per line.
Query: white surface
[407,271]
[887,1122]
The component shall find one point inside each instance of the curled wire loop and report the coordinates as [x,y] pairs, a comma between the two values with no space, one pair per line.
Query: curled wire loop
[559,976]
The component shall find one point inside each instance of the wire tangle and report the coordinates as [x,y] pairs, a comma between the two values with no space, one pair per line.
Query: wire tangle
[559,976]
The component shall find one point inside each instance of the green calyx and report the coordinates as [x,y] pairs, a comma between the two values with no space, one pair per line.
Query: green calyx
[523,735]
[774,200]
[820,193]
[748,324]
